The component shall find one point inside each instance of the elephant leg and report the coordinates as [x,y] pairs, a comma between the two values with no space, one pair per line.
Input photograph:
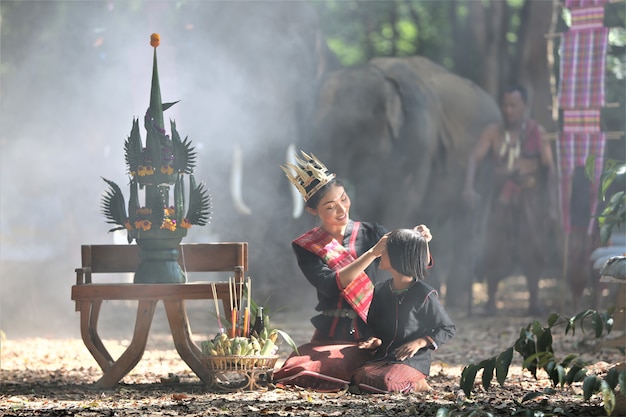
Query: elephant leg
[499,257]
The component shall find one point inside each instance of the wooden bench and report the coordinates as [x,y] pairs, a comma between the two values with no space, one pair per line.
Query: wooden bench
[108,259]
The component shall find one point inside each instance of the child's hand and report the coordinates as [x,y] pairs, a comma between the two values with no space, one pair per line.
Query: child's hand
[372,343]
[425,231]
[409,349]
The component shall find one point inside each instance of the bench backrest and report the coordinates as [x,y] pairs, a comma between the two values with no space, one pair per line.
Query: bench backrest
[194,257]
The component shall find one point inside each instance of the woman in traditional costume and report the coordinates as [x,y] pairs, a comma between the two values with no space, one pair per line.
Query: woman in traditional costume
[340,259]
[406,319]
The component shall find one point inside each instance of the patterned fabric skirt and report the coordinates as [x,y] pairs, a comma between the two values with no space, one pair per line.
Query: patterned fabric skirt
[384,377]
[322,366]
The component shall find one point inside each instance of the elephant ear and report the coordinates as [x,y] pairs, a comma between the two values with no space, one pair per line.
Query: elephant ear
[412,105]
[416,126]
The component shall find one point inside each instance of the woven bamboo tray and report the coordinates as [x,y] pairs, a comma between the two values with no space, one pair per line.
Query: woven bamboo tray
[235,373]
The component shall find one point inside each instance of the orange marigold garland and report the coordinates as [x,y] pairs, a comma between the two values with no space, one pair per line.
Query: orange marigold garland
[155,40]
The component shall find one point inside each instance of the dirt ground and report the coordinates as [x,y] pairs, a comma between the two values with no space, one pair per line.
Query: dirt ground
[44,376]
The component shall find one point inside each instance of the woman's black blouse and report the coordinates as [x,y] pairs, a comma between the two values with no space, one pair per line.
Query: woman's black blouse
[324,280]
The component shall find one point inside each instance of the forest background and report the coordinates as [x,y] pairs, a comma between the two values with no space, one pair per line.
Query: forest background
[71,79]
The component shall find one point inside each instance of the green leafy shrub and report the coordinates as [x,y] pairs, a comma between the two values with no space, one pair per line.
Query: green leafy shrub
[614,212]
[534,344]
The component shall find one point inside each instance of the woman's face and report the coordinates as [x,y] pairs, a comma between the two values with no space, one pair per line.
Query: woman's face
[334,207]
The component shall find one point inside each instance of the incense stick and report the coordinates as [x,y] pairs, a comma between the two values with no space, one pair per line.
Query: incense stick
[217,308]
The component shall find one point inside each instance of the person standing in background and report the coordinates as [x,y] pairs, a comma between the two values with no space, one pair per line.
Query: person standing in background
[523,202]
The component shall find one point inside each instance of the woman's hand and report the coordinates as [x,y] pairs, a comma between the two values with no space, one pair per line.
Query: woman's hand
[380,246]
[425,231]
[372,343]
[409,349]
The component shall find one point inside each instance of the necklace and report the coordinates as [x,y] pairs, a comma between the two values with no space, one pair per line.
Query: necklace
[400,294]
[512,151]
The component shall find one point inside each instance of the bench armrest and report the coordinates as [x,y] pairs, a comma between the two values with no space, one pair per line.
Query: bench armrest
[83,275]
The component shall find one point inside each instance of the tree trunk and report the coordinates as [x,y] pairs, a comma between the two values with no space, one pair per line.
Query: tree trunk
[531,69]
[489,28]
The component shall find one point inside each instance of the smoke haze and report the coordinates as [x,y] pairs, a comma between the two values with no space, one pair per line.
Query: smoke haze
[75,74]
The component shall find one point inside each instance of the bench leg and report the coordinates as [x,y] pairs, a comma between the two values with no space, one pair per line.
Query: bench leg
[181,333]
[89,312]
[127,361]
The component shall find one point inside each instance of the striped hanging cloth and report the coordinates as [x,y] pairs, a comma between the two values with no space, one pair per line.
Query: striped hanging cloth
[580,138]
[581,96]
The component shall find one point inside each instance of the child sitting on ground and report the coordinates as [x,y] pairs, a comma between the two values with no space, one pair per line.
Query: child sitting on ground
[406,318]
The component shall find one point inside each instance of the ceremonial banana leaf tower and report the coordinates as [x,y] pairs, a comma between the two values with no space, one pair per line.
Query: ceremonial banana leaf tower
[159,225]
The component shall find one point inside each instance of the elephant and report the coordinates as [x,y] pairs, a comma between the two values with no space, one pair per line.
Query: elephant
[246,97]
[398,131]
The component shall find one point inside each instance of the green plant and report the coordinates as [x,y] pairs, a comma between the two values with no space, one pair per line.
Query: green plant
[614,212]
[534,344]
[156,167]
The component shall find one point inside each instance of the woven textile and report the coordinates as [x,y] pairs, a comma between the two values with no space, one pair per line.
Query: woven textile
[573,150]
[576,4]
[386,377]
[322,366]
[583,65]
[581,95]
[581,121]
[360,292]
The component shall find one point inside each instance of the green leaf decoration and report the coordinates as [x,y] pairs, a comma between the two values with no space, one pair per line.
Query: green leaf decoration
[133,202]
[184,154]
[608,397]
[575,374]
[503,363]
[613,375]
[544,341]
[468,376]
[552,319]
[154,200]
[113,206]
[153,146]
[166,106]
[287,340]
[532,395]
[133,148]
[598,324]
[488,368]
[199,203]
[590,165]
[568,359]
[179,199]
[591,385]
[133,205]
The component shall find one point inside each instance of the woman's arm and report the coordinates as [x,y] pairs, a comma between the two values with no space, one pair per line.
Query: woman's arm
[348,273]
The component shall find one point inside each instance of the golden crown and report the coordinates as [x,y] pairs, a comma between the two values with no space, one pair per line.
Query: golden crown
[308,175]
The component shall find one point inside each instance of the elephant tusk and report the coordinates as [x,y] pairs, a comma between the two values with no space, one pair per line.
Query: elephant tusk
[236,181]
[298,203]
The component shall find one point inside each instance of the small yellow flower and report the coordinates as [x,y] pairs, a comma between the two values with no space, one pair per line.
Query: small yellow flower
[169,211]
[169,170]
[169,224]
[185,224]
[155,40]
[149,170]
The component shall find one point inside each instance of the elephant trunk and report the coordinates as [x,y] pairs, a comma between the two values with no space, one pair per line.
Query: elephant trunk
[236,182]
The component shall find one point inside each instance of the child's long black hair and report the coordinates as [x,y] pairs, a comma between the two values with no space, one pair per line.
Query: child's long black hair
[408,254]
